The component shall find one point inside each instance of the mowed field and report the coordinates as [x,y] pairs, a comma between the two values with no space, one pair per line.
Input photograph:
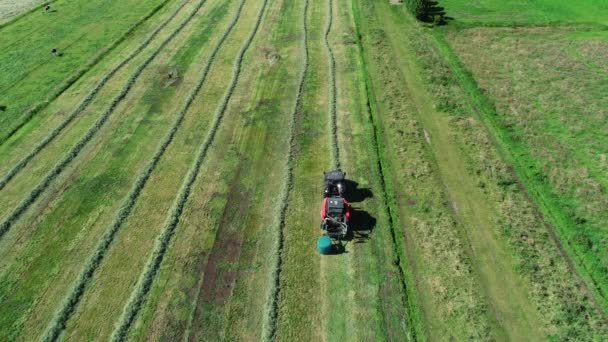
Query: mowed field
[161,178]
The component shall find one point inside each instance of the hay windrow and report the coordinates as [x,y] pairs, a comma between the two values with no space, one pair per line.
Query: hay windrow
[139,294]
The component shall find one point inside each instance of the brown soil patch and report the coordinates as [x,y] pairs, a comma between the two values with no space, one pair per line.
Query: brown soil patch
[219,278]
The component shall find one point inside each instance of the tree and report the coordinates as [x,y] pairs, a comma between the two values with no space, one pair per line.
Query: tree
[427,11]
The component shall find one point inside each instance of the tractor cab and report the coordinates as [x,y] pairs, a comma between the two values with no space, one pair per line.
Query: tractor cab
[334,183]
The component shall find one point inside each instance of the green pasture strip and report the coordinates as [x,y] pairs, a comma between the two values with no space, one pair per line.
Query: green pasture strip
[139,294]
[12,19]
[85,206]
[302,305]
[26,122]
[54,113]
[146,173]
[550,117]
[13,216]
[517,153]
[30,73]
[557,110]
[526,12]
[83,105]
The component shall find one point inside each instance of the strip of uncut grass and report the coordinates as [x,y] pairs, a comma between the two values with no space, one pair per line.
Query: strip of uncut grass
[85,102]
[270,321]
[75,150]
[58,324]
[378,301]
[139,294]
[404,186]
[508,293]
[529,226]
[559,208]
[68,82]
[335,149]
[526,167]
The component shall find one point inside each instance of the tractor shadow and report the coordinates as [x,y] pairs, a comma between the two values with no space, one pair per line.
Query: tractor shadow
[362,223]
[359,230]
[361,226]
[354,194]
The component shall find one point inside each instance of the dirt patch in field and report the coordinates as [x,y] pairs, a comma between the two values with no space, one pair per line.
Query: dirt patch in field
[220,272]
[169,76]
[271,55]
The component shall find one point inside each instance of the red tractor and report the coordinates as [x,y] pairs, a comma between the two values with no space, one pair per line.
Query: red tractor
[335,210]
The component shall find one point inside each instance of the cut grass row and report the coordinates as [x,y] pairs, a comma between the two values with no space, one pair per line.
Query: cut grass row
[139,294]
[65,224]
[236,274]
[269,326]
[335,149]
[216,271]
[73,297]
[301,311]
[73,78]
[75,149]
[106,173]
[85,102]
[336,272]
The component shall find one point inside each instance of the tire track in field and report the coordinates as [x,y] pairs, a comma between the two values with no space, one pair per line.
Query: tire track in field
[335,149]
[73,298]
[139,294]
[68,82]
[84,103]
[269,325]
[75,150]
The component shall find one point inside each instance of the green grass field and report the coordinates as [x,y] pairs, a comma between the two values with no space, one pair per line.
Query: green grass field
[161,179]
